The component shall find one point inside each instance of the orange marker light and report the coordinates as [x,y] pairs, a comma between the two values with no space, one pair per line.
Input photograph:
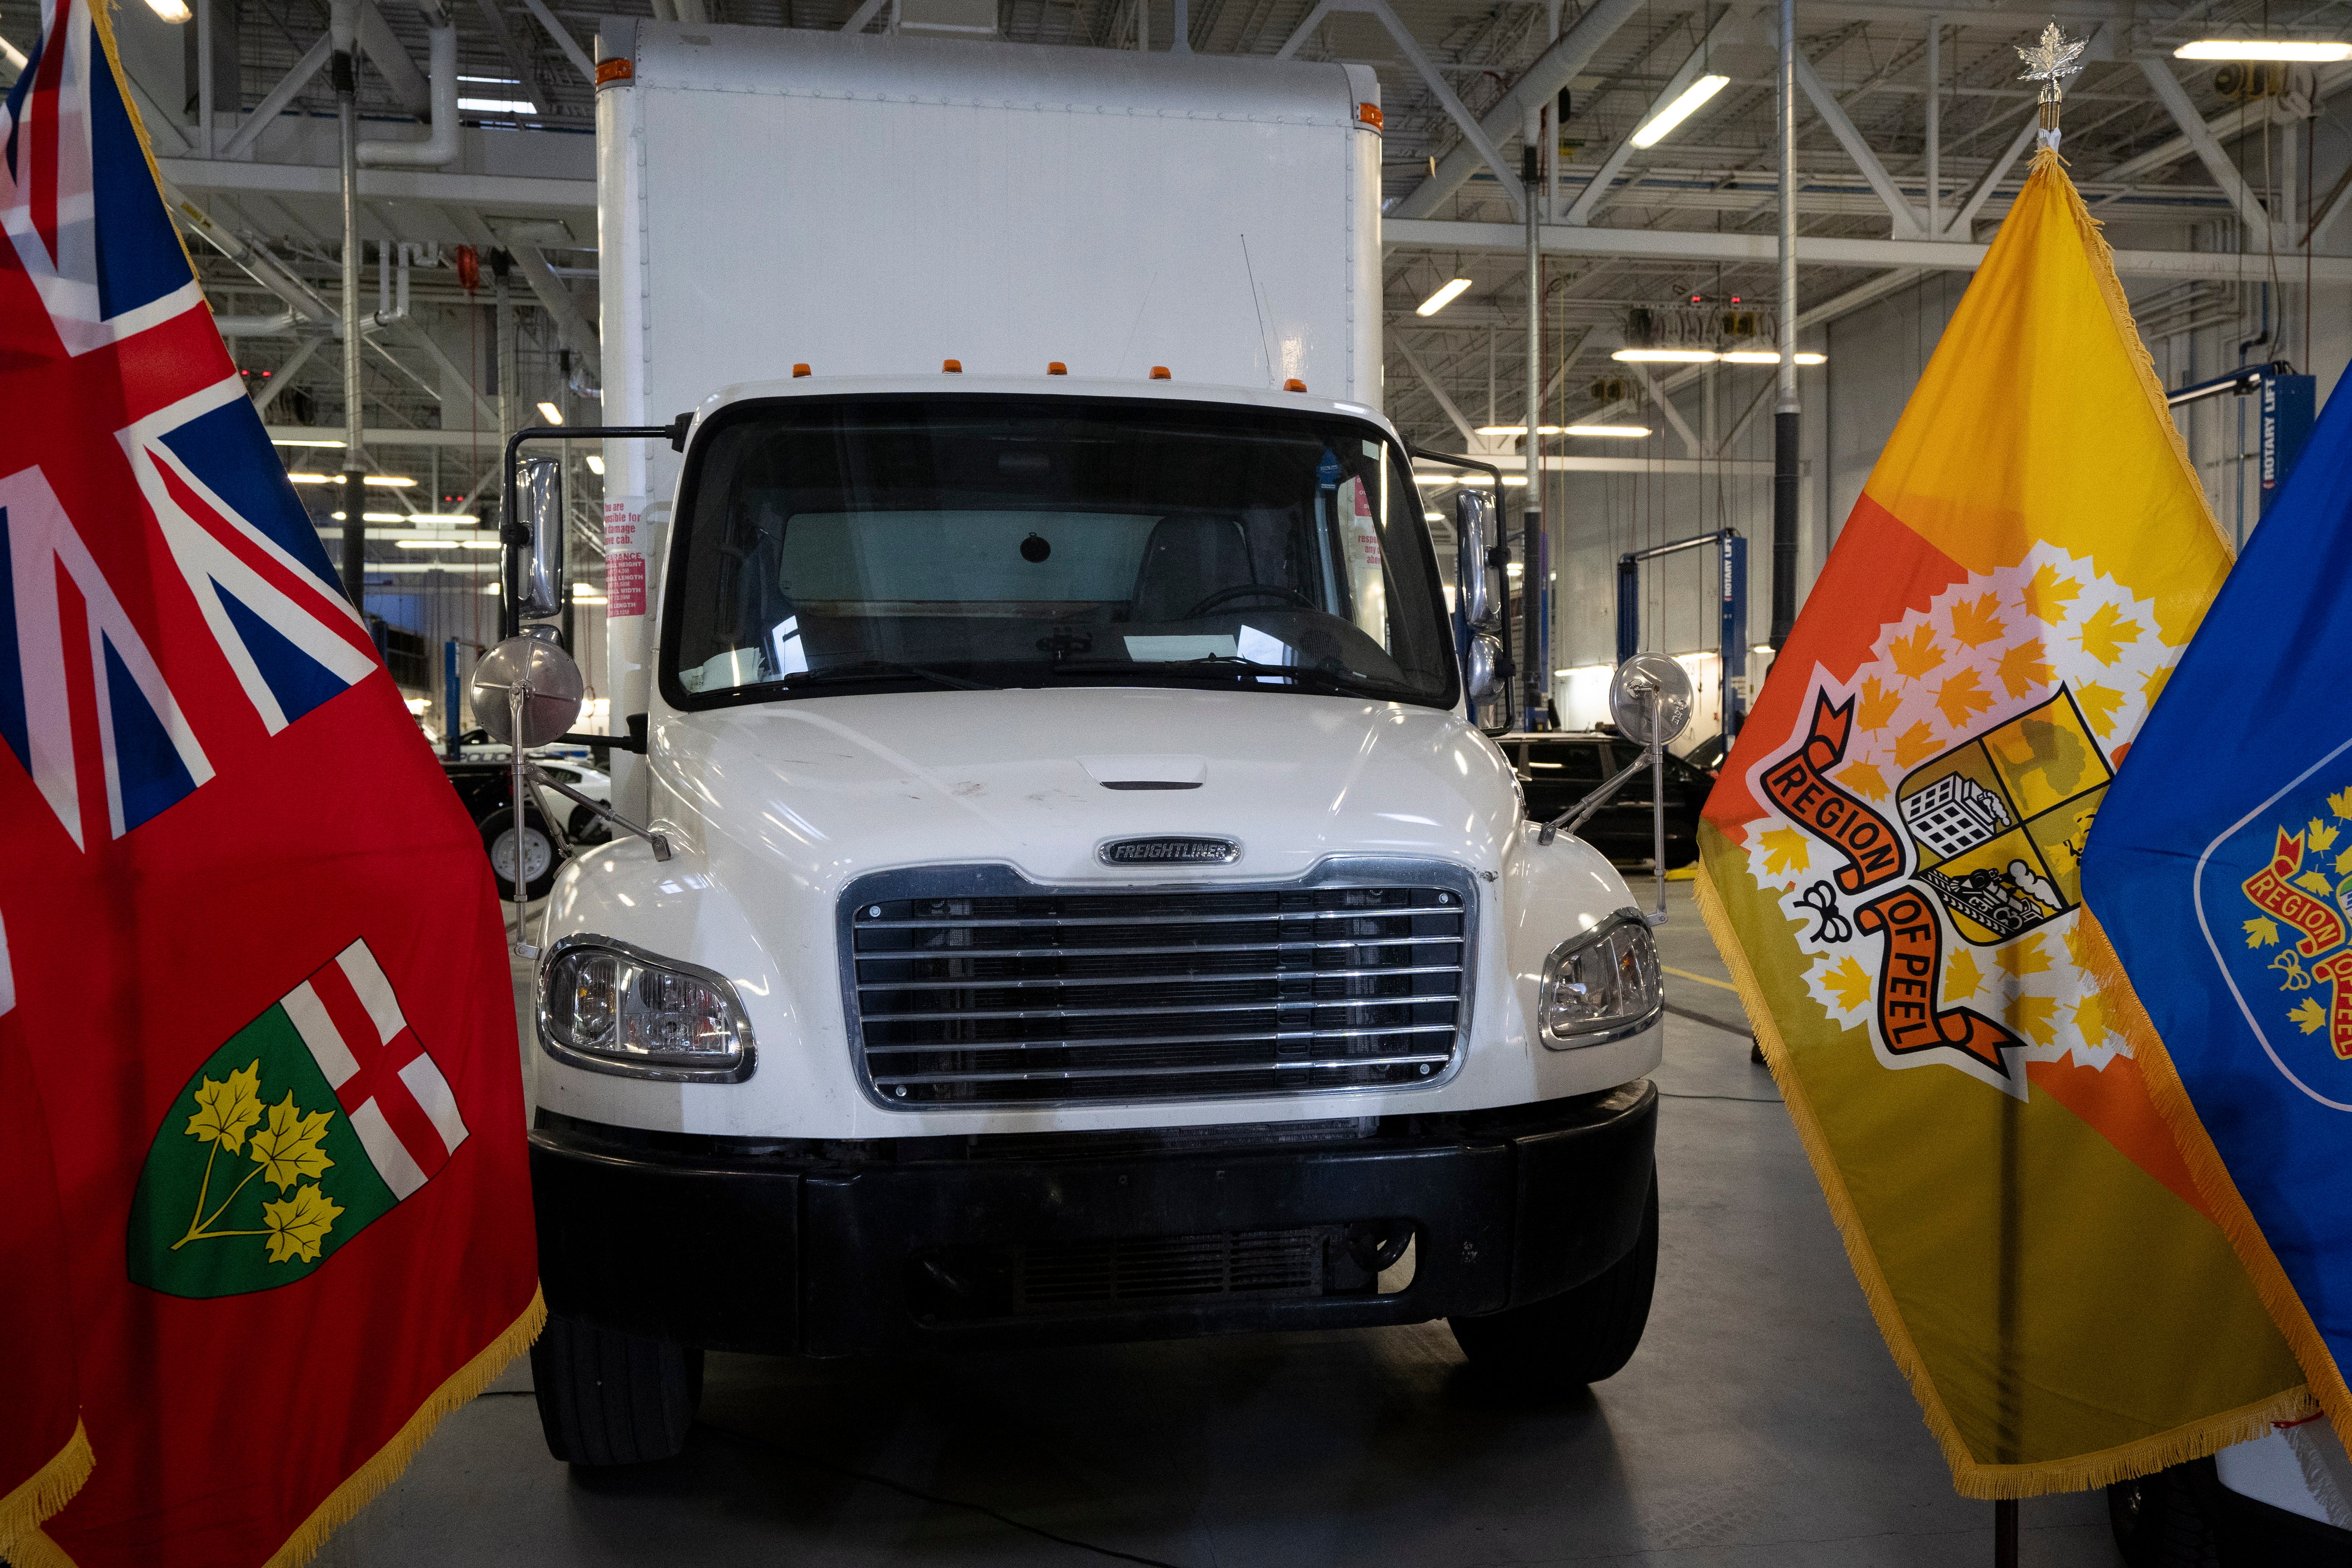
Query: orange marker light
[952,367]
[619,68]
[1160,373]
[1294,385]
[1369,114]
[799,371]
[1055,367]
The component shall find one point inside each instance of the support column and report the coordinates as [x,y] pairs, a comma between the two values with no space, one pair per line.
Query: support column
[1934,127]
[510,392]
[1533,684]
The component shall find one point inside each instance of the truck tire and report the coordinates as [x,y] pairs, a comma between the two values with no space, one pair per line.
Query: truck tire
[611,1398]
[2159,1520]
[540,861]
[1579,1336]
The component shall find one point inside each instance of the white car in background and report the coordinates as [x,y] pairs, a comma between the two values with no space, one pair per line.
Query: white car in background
[2282,1500]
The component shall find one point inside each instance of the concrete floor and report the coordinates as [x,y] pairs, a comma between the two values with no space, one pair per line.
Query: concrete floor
[1761,1424]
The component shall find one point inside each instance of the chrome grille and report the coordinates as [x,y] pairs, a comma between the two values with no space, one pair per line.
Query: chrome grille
[1051,996]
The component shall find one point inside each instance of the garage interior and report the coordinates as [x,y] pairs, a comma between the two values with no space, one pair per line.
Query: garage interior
[1762,1421]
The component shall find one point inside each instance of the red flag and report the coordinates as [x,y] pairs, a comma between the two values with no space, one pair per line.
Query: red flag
[44,1453]
[249,925]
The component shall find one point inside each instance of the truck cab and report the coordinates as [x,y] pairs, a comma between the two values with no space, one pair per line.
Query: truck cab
[1083,906]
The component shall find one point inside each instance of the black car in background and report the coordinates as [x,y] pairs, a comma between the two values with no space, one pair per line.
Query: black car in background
[1557,769]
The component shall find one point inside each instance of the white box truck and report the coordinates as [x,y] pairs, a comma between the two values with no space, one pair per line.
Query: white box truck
[1083,906]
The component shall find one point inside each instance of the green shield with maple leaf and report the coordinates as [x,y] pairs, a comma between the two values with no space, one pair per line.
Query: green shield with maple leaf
[256,1175]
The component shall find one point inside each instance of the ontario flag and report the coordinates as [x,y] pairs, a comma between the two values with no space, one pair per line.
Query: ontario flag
[255,1005]
[1892,865]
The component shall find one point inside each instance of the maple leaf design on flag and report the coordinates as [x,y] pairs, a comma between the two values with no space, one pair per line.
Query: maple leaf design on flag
[2262,931]
[297,1223]
[2340,803]
[227,1110]
[1961,976]
[2105,634]
[2099,704]
[2023,667]
[1978,623]
[1915,655]
[2308,1016]
[1786,850]
[1962,698]
[2319,835]
[2047,594]
[287,1150]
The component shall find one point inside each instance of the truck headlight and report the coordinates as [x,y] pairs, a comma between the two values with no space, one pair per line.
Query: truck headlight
[1601,984]
[609,1007]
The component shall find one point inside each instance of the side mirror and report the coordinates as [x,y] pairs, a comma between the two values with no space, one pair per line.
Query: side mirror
[539,491]
[527,684]
[1470,555]
[1486,653]
[1651,684]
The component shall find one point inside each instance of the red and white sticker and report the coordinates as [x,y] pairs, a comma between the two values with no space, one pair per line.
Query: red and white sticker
[624,556]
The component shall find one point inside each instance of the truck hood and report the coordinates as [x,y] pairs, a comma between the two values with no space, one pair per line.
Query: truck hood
[833,787]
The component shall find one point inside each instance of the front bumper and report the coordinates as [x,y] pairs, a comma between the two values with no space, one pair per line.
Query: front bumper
[822,1248]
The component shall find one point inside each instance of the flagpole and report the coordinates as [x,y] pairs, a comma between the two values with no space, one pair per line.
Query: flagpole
[344,27]
[1784,414]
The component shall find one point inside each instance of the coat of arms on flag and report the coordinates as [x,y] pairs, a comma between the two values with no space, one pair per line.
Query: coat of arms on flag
[246,1190]
[2293,946]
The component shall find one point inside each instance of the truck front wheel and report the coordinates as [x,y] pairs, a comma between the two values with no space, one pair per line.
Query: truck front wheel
[1579,1336]
[611,1398]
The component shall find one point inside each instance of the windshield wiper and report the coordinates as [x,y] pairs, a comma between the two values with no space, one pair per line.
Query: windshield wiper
[876,669]
[1220,664]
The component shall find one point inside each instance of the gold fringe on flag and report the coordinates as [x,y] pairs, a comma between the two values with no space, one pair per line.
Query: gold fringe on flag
[39,1495]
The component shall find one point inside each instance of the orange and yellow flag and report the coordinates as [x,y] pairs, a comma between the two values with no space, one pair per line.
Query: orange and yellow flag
[1890,866]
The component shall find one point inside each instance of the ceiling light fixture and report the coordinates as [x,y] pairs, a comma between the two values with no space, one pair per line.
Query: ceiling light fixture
[1691,99]
[595,465]
[2296,49]
[1667,356]
[423,543]
[551,413]
[1624,432]
[171,10]
[1446,294]
[462,518]
[305,441]
[1766,356]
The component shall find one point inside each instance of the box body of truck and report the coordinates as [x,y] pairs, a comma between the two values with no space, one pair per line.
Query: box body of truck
[1090,913]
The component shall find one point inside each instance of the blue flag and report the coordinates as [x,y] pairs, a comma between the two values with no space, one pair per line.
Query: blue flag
[2220,867]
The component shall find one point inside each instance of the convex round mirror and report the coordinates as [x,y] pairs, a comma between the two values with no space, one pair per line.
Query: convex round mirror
[1470,555]
[1641,679]
[550,685]
[1486,653]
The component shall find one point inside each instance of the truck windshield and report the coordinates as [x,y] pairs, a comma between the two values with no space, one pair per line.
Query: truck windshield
[830,545]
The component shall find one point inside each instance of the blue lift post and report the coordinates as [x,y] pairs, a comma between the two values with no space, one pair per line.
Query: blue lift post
[1731,608]
[2288,404]
[450,722]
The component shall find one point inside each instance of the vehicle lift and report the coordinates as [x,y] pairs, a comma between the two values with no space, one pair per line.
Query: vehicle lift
[1731,626]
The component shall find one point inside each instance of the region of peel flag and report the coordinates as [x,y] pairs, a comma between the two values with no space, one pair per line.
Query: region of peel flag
[1892,864]
[2222,870]
[261,1130]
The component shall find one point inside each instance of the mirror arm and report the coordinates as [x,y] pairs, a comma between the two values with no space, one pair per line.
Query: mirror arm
[635,744]
[1574,816]
[660,841]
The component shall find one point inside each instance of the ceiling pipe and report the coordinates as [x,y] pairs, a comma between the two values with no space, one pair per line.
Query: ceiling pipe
[440,147]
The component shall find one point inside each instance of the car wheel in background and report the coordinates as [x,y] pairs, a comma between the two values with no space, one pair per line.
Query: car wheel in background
[540,861]
[610,1399]
[1579,1336]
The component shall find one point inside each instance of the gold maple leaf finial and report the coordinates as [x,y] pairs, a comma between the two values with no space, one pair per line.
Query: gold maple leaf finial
[2050,60]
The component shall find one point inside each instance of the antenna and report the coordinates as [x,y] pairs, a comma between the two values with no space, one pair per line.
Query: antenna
[1266,345]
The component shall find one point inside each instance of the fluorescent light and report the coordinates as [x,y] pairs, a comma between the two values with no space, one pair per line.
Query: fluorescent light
[169,10]
[499,105]
[551,413]
[1681,109]
[1446,294]
[1625,432]
[385,481]
[310,479]
[305,441]
[580,599]
[481,544]
[390,482]
[1667,356]
[494,81]
[421,542]
[465,518]
[1513,569]
[2242,49]
[374,516]
[1432,516]
[1517,429]
[595,465]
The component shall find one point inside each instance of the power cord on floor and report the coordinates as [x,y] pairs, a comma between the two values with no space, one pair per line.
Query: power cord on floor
[920,1496]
